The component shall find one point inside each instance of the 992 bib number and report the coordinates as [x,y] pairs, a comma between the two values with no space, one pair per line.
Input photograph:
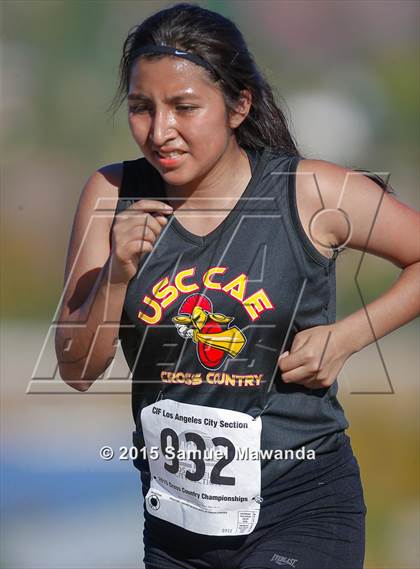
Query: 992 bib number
[170,443]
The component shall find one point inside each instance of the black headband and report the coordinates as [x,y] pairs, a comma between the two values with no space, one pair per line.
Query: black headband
[152,48]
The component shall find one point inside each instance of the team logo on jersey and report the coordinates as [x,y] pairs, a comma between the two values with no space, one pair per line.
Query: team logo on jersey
[212,332]
[167,291]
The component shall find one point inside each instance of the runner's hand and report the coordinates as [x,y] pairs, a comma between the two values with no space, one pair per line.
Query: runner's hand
[134,234]
[316,357]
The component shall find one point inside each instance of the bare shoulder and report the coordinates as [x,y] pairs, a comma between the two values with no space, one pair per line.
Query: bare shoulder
[101,189]
[107,178]
[321,182]
[94,214]
[334,185]
[317,195]
[90,236]
[98,201]
[356,212]
[111,174]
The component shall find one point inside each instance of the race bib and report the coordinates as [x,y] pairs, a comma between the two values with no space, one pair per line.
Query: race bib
[204,466]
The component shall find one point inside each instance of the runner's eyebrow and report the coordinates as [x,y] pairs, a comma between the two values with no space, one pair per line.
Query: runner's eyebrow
[174,99]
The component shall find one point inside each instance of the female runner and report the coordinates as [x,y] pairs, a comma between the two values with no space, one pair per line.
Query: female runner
[217,271]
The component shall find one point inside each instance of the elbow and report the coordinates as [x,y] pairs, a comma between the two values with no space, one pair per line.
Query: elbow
[78,372]
[78,385]
[73,379]
[71,372]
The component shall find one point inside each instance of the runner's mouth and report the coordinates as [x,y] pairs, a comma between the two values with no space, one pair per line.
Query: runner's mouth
[170,159]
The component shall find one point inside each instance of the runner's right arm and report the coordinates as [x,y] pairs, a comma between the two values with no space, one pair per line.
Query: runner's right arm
[100,263]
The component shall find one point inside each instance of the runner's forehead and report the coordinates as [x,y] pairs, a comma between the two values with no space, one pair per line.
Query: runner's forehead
[187,93]
[174,71]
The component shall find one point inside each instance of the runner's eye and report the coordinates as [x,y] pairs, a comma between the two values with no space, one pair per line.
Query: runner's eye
[138,109]
[186,108]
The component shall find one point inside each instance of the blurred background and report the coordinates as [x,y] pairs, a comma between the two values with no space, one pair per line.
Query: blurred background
[348,74]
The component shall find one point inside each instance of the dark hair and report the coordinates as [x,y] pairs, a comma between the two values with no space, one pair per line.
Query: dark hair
[377,179]
[218,41]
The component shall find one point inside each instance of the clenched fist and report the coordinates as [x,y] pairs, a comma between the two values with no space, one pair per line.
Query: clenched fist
[134,234]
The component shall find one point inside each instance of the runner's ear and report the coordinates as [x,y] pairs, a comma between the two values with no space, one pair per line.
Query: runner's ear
[242,108]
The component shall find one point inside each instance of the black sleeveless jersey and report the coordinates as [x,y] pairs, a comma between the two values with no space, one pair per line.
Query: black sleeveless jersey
[206,318]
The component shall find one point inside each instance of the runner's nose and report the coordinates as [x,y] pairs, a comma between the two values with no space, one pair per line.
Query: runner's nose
[162,128]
